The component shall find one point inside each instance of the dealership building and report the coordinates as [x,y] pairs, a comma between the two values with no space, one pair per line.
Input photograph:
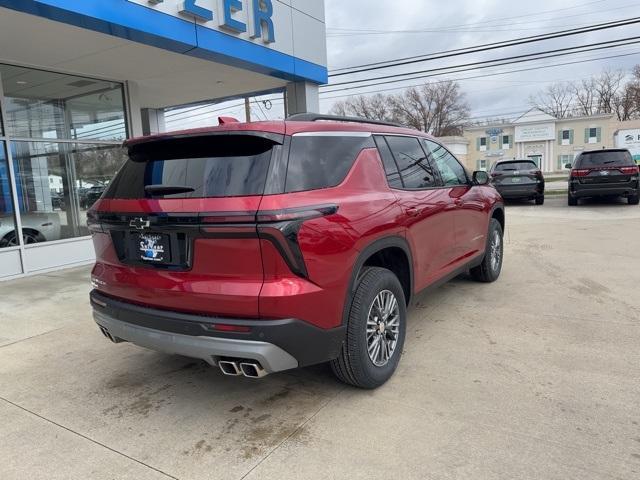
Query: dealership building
[550,142]
[77,77]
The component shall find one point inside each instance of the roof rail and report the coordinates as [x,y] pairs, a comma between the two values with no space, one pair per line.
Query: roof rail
[314,117]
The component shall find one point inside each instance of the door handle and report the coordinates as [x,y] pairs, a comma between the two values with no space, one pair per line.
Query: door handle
[413,211]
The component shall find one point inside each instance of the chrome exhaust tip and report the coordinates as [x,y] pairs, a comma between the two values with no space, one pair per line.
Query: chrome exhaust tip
[253,370]
[106,333]
[229,368]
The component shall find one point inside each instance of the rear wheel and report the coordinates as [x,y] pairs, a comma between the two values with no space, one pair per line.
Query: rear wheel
[634,199]
[540,200]
[375,331]
[491,266]
[572,201]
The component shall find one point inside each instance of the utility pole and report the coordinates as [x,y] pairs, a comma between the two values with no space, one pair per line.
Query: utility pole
[247,109]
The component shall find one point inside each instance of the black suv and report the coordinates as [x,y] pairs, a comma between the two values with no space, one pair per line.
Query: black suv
[602,173]
[518,179]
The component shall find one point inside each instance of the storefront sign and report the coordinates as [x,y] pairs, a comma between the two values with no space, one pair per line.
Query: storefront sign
[629,139]
[235,16]
[535,133]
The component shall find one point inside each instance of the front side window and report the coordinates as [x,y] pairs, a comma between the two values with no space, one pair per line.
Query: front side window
[451,172]
[415,168]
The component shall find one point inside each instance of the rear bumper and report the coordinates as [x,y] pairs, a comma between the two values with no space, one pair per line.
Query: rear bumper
[530,190]
[277,344]
[578,189]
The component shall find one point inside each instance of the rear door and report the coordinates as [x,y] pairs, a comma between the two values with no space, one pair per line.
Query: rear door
[469,215]
[426,207]
[176,228]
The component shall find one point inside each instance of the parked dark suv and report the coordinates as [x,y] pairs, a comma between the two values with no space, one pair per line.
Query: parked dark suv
[602,173]
[262,247]
[518,179]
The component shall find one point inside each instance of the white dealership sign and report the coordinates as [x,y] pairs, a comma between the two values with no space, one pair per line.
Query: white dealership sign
[629,139]
[536,133]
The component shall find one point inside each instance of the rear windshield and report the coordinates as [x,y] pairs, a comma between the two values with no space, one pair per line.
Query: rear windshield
[322,159]
[523,165]
[617,158]
[221,166]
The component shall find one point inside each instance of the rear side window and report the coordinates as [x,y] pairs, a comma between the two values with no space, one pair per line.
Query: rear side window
[390,167]
[415,168]
[506,166]
[219,166]
[616,158]
[322,160]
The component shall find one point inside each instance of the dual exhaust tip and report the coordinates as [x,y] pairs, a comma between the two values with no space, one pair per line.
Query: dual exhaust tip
[248,368]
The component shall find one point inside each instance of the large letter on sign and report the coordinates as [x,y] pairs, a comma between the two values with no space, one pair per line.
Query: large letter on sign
[190,7]
[262,13]
[231,6]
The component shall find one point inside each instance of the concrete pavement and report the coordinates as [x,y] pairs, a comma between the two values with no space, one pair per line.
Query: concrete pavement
[535,376]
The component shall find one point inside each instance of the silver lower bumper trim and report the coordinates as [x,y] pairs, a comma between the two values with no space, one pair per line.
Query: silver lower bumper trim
[210,349]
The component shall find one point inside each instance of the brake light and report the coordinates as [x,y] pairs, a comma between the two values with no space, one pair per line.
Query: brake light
[630,170]
[580,172]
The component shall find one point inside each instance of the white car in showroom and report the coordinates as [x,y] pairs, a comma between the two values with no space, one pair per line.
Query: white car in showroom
[36,227]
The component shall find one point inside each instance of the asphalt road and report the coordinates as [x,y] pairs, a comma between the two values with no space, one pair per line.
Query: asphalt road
[534,377]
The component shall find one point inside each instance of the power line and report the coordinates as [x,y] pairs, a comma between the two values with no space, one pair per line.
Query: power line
[438,71]
[483,48]
[515,17]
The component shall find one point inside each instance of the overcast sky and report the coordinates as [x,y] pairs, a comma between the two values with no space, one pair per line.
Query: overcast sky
[406,28]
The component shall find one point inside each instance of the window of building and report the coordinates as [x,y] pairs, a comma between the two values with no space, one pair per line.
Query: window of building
[481,165]
[482,144]
[593,135]
[415,167]
[506,142]
[566,137]
[64,135]
[451,172]
[563,160]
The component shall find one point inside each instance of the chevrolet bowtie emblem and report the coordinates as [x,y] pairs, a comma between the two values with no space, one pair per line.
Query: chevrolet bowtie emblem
[139,223]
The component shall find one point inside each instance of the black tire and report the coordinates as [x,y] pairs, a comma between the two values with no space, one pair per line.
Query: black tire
[354,366]
[634,199]
[540,200]
[489,271]
[572,201]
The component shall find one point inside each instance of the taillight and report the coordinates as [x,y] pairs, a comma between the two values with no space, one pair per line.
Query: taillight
[580,172]
[630,170]
[280,227]
[93,223]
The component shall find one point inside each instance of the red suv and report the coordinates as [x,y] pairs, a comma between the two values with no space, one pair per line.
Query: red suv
[262,247]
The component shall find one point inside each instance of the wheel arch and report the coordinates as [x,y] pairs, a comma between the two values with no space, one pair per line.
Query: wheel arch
[497,212]
[381,253]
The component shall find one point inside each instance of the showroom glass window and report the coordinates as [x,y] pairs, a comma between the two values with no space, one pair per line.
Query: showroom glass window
[63,134]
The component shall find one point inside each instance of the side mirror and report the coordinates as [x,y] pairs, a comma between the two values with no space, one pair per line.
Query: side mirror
[481,178]
[568,166]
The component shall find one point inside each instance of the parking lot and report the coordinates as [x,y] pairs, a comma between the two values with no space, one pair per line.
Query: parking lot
[535,376]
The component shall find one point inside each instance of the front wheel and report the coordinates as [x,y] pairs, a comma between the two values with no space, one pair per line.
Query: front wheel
[375,331]
[491,266]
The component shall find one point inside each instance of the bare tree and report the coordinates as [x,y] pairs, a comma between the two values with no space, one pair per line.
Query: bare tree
[376,107]
[584,93]
[437,108]
[555,100]
[607,87]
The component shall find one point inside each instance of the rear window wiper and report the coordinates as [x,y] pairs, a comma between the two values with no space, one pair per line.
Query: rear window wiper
[154,190]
